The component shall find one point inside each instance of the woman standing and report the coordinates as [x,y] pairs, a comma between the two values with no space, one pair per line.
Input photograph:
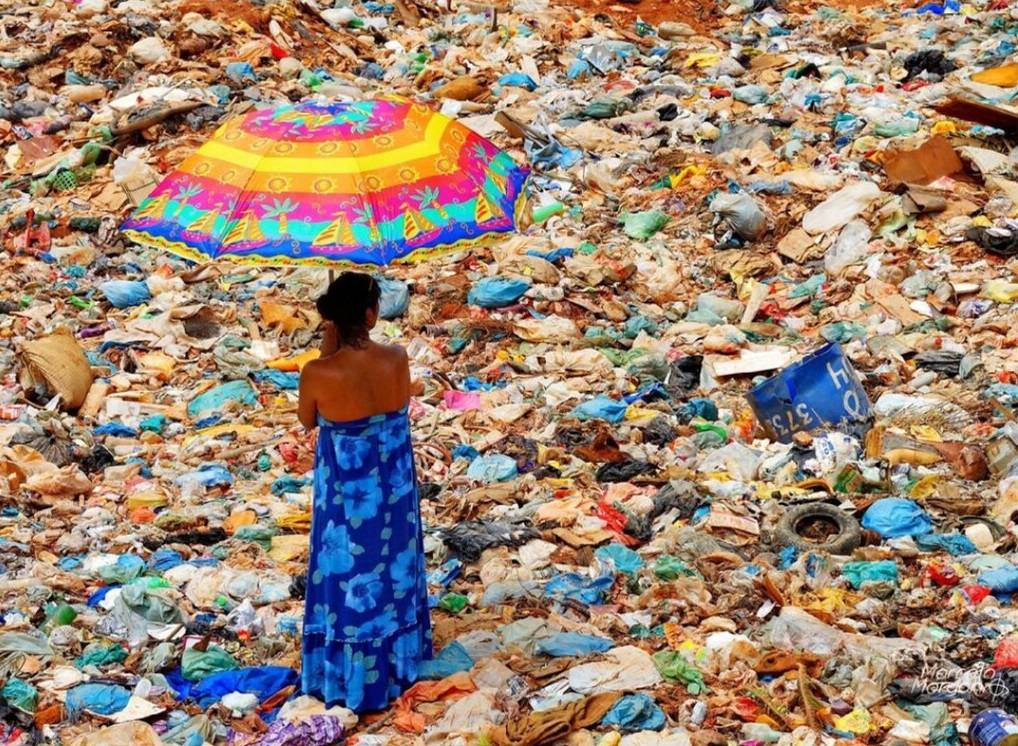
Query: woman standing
[366,623]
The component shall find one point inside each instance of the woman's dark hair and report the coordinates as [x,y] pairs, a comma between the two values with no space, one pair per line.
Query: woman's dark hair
[346,304]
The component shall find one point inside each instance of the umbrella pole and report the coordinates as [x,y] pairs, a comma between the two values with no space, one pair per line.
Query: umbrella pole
[332,275]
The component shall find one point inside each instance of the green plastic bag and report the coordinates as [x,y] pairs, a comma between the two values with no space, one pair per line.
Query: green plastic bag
[860,573]
[21,695]
[670,568]
[674,667]
[101,655]
[197,664]
[260,535]
[643,225]
[454,602]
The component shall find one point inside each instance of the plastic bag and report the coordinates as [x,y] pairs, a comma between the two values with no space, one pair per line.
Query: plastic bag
[601,408]
[742,213]
[1006,654]
[840,208]
[860,573]
[136,733]
[395,298]
[518,80]
[453,658]
[102,699]
[851,247]
[635,712]
[623,559]
[494,467]
[125,293]
[199,664]
[576,587]
[20,695]
[262,681]
[674,667]
[58,363]
[643,225]
[1002,582]
[124,570]
[894,517]
[565,644]
[497,292]
[218,397]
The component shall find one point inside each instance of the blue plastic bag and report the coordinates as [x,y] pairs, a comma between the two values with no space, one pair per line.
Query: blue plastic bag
[164,559]
[395,298]
[125,293]
[287,483]
[284,380]
[262,681]
[518,80]
[494,467]
[894,517]
[623,558]
[452,659]
[554,256]
[102,699]
[115,428]
[239,72]
[209,475]
[704,408]
[635,712]
[552,155]
[497,292]
[601,408]
[566,644]
[124,570]
[219,396]
[576,587]
[956,544]
[1002,582]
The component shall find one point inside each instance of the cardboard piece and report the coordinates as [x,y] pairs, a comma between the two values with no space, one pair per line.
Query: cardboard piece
[930,161]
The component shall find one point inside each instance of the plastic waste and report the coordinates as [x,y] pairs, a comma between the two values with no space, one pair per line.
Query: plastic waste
[841,207]
[493,467]
[893,517]
[849,249]
[395,298]
[635,712]
[643,225]
[822,389]
[497,292]
[125,293]
[742,213]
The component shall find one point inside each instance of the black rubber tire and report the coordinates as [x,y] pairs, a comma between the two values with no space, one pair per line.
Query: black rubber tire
[849,534]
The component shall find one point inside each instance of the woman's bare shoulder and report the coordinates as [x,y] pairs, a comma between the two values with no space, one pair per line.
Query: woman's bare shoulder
[393,351]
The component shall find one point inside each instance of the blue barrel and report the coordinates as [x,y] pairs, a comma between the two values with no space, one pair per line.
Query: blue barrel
[993,727]
[821,390]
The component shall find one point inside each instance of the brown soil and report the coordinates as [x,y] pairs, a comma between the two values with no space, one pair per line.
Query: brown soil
[699,15]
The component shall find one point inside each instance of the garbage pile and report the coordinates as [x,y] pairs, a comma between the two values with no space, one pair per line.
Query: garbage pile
[721,449]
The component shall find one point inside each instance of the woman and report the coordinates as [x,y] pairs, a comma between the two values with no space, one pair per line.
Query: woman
[366,621]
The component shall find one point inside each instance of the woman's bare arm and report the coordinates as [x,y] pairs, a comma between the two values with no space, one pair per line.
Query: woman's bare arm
[307,407]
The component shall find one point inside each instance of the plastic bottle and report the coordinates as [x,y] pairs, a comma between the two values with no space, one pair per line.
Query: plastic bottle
[850,247]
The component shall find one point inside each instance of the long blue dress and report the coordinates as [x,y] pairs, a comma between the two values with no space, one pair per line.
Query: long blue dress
[366,624]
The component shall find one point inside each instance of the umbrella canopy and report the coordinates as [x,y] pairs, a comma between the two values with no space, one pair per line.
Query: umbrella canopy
[358,183]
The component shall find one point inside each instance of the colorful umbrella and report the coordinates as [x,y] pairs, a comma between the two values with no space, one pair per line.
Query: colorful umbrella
[365,183]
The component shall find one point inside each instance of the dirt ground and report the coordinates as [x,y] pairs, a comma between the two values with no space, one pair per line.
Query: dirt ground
[700,15]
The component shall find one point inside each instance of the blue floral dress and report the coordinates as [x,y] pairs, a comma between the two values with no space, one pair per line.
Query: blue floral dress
[366,623]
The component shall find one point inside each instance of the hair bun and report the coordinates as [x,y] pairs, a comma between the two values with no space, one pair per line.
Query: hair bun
[346,304]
